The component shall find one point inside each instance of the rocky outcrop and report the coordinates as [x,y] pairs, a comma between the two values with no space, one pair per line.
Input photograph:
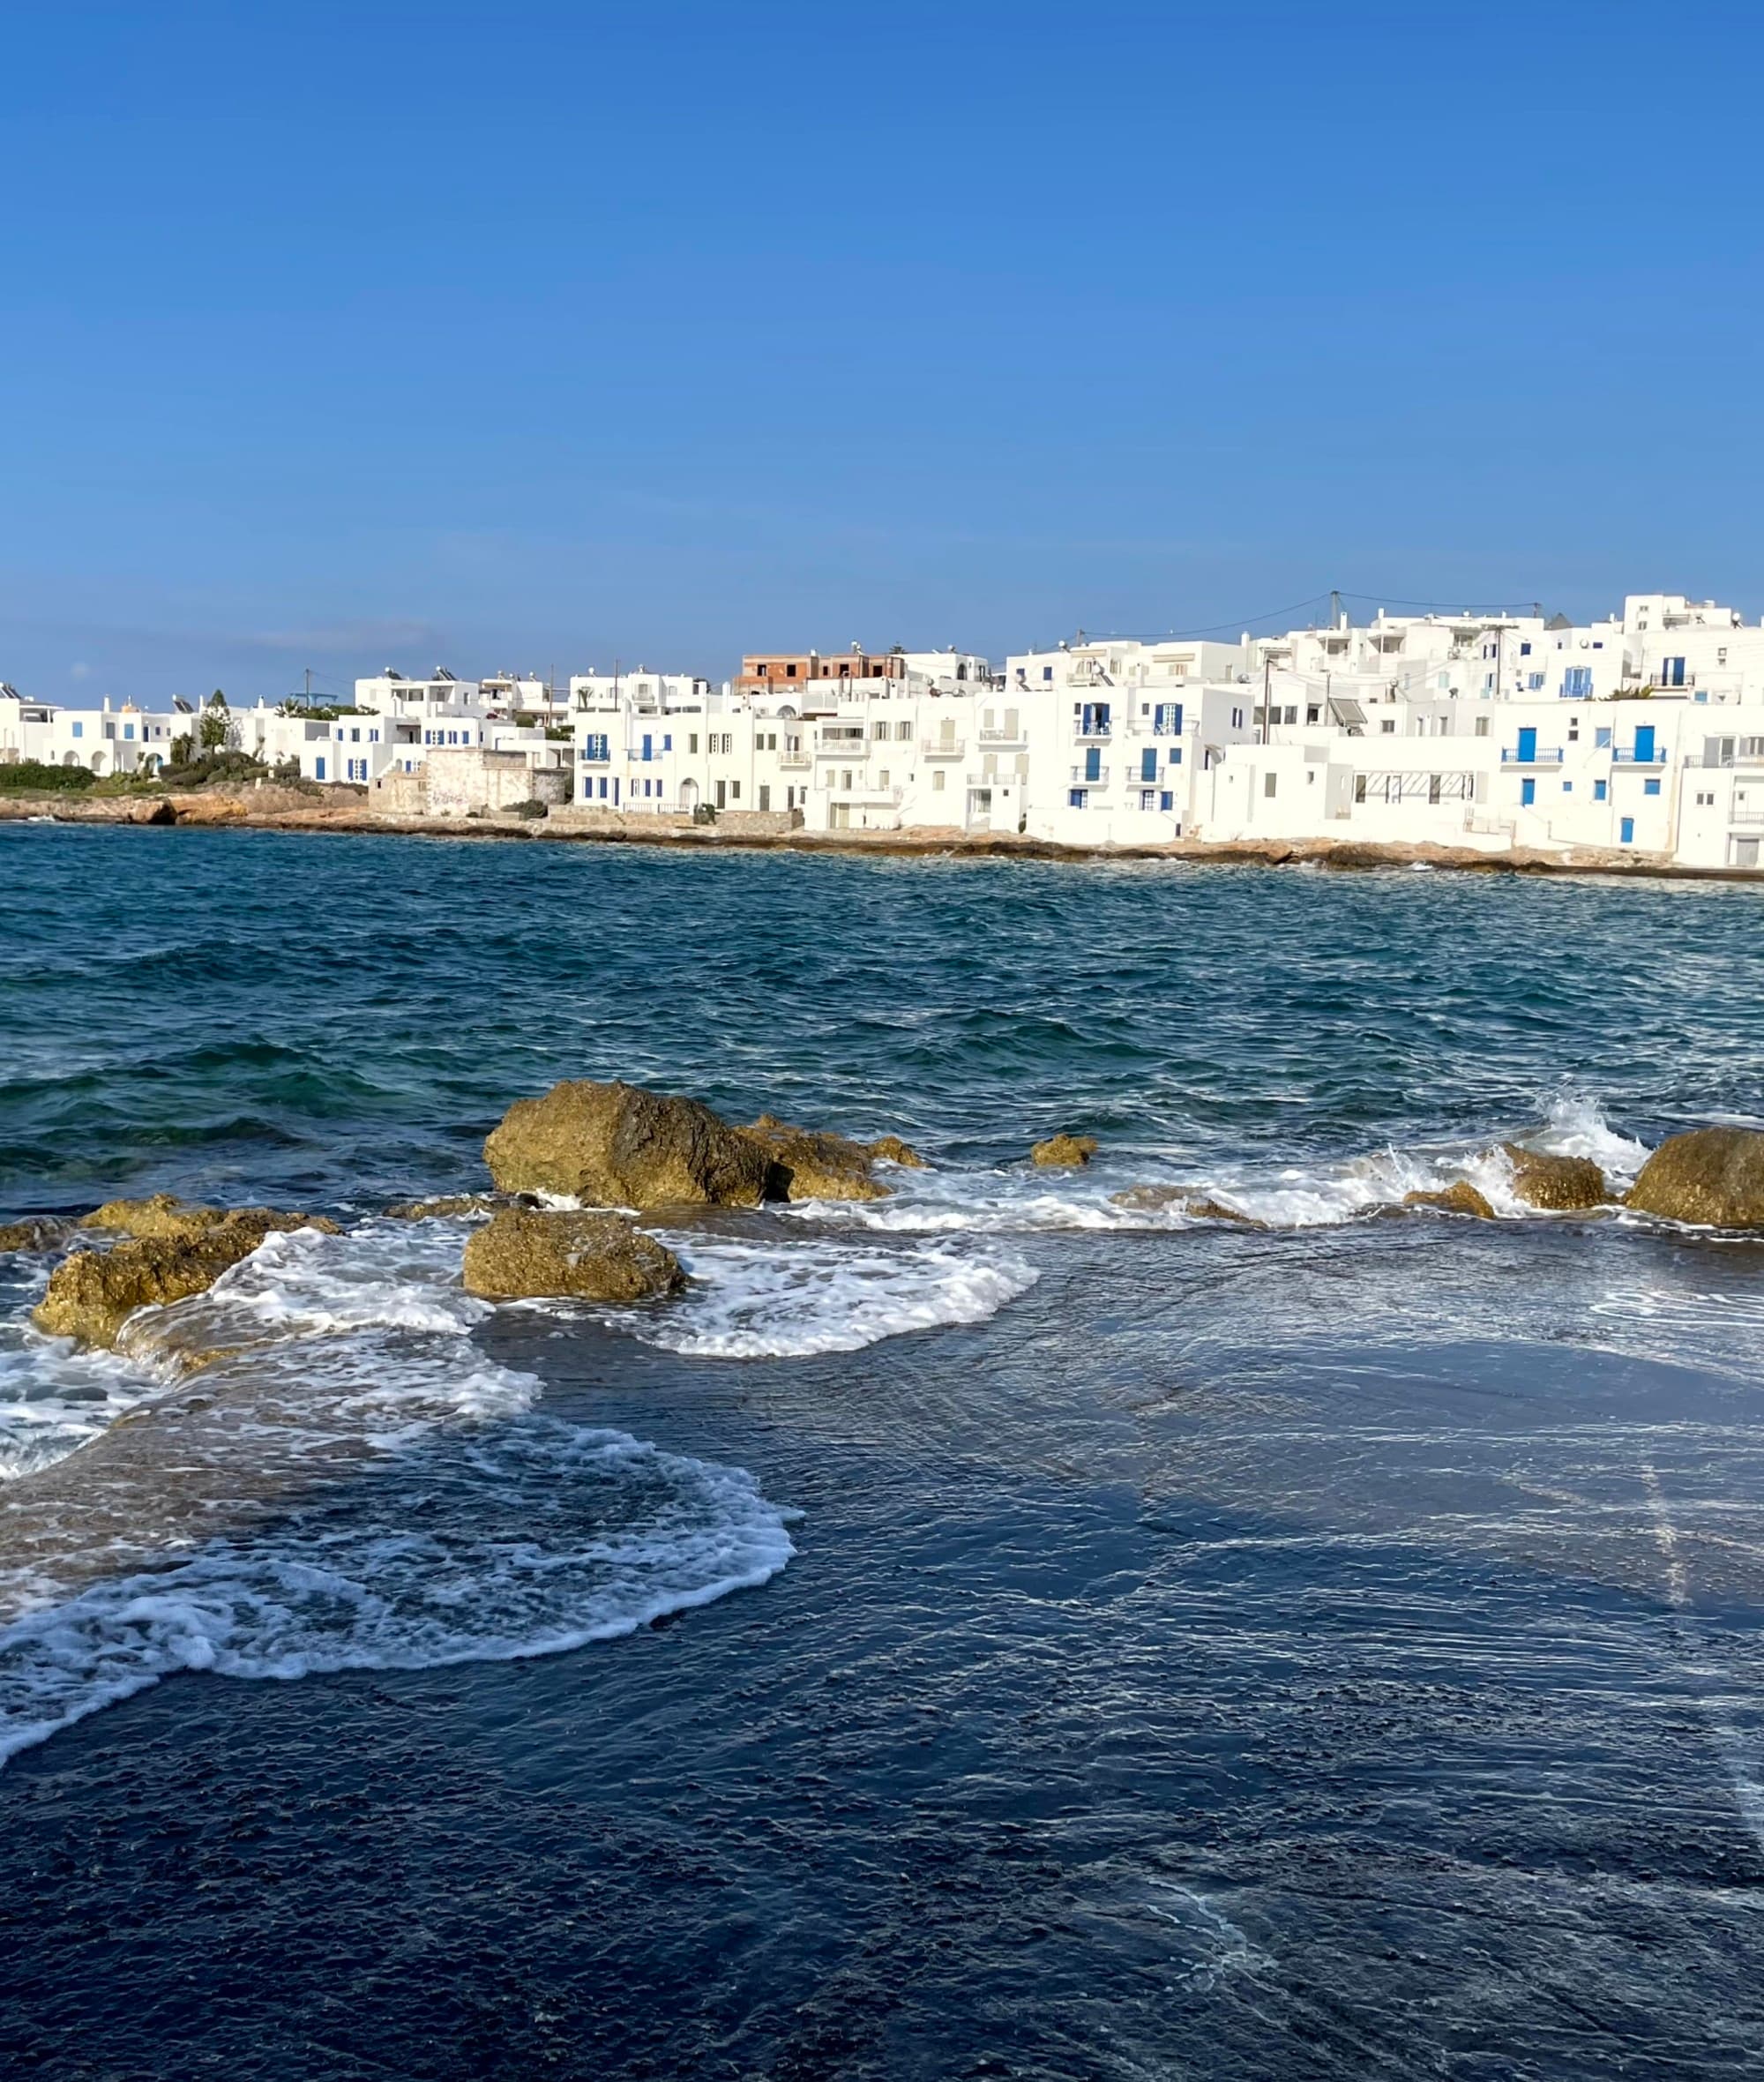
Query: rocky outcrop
[616,1145]
[1713,1176]
[522,1252]
[1557,1182]
[92,1294]
[1459,1198]
[163,1215]
[813,1163]
[1063,1152]
[36,1233]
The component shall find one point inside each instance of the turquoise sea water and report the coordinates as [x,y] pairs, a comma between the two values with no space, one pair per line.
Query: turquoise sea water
[985,1631]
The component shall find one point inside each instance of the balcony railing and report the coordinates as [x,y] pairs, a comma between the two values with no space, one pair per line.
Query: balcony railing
[1012,739]
[943,747]
[1082,778]
[1538,756]
[888,797]
[1638,758]
[1098,733]
[798,759]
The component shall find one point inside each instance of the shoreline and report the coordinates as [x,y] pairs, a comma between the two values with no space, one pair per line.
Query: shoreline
[292,812]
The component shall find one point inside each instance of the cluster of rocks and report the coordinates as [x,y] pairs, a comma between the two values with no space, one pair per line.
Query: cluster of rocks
[1712,1177]
[618,1147]
[166,1250]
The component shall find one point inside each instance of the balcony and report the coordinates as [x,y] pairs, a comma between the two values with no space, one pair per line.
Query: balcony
[1636,759]
[1098,733]
[1004,740]
[1082,778]
[1537,756]
[797,761]
[888,798]
[943,747]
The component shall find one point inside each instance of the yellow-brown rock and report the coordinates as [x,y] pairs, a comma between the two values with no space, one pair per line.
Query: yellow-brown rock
[891,1149]
[1063,1152]
[523,1251]
[1712,1175]
[1459,1198]
[92,1294]
[616,1145]
[164,1215]
[812,1163]
[1558,1182]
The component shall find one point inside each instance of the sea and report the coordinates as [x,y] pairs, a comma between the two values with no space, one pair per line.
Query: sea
[988,1631]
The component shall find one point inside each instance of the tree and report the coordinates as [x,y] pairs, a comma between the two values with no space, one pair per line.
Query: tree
[215,725]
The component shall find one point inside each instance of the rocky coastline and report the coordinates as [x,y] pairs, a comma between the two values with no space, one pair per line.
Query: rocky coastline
[270,808]
[573,1167]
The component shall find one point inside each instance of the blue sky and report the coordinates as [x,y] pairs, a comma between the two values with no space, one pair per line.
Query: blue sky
[534,335]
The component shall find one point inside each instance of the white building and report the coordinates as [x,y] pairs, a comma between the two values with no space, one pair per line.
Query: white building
[119,739]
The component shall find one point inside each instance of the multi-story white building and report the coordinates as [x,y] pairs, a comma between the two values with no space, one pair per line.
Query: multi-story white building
[119,739]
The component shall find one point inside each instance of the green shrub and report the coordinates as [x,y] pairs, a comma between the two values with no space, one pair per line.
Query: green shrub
[27,776]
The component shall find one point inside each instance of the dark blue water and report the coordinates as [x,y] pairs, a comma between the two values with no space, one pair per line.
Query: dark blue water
[1169,1647]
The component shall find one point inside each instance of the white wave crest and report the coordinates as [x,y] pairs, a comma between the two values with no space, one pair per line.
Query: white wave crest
[786,1301]
[528,1541]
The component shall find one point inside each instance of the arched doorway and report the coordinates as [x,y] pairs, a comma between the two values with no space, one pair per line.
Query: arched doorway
[689,795]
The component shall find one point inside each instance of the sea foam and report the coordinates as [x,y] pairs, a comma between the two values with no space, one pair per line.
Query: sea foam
[389,1496]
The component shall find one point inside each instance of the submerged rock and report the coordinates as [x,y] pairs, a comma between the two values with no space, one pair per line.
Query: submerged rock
[92,1294]
[34,1232]
[456,1203]
[1546,1181]
[617,1145]
[891,1149]
[1060,1152]
[165,1214]
[1712,1175]
[1151,1200]
[1459,1198]
[597,1257]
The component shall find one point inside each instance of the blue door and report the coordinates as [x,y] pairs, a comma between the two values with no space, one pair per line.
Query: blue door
[1644,743]
[1149,764]
[1626,831]
[318,770]
[1093,763]
[1528,745]
[647,744]
[1527,792]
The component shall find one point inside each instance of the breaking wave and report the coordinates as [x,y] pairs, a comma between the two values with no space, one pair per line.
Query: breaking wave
[770,1302]
[389,1497]
[1321,1193]
[524,1541]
